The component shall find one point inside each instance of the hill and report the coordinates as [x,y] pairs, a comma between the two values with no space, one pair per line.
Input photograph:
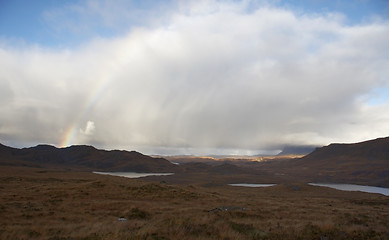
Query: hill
[83,158]
[364,162]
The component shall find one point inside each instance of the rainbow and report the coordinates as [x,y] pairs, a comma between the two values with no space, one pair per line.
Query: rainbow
[104,81]
[70,134]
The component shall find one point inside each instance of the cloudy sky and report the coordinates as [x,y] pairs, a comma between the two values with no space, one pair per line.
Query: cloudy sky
[193,77]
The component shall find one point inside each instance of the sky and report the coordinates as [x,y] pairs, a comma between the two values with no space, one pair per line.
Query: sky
[193,77]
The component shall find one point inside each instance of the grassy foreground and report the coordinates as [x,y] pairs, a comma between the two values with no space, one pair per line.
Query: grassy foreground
[48,204]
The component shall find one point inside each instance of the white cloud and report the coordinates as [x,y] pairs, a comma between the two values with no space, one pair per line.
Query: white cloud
[215,76]
[89,128]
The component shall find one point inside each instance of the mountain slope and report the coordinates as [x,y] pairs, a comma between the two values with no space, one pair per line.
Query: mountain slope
[376,151]
[83,157]
[359,162]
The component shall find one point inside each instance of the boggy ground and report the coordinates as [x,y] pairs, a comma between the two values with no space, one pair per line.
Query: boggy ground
[49,204]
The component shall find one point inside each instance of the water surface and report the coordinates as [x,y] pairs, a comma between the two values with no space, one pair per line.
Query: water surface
[353,187]
[133,174]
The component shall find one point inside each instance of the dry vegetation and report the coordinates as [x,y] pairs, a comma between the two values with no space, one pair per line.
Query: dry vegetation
[44,204]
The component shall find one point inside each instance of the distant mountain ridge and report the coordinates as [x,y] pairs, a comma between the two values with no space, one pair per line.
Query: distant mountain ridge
[296,150]
[83,157]
[365,163]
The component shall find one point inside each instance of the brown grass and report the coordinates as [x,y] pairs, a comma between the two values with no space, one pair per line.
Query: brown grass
[44,204]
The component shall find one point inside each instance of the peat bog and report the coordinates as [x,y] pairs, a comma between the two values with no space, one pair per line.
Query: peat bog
[40,203]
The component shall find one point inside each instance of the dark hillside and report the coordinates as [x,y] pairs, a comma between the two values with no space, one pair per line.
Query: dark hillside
[359,162]
[83,157]
[371,150]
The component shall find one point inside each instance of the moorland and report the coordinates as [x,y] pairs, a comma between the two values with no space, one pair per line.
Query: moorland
[51,193]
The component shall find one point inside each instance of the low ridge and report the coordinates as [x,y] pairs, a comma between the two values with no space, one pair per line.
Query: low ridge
[84,158]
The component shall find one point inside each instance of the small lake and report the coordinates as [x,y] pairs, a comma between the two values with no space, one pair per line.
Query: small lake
[353,187]
[133,174]
[251,185]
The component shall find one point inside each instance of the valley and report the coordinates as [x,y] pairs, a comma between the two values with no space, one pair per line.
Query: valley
[40,203]
[52,193]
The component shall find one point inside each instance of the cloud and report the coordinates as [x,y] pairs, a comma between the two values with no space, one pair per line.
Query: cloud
[210,75]
[89,128]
